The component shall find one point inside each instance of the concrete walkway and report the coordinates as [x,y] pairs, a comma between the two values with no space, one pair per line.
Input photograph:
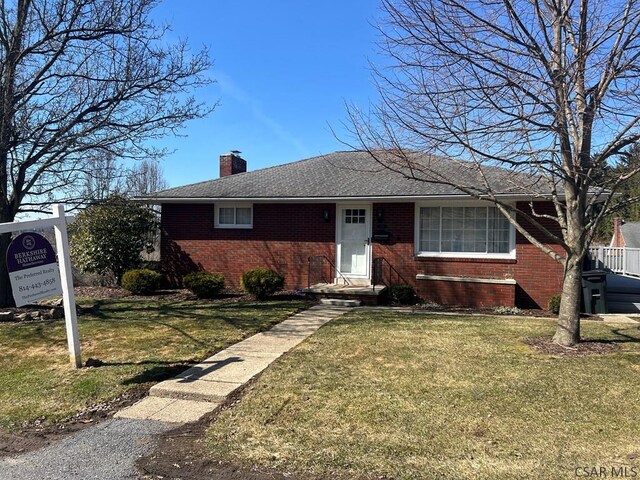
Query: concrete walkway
[110,449]
[619,318]
[200,389]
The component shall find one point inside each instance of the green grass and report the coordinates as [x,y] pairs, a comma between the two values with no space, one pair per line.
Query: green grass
[140,342]
[419,396]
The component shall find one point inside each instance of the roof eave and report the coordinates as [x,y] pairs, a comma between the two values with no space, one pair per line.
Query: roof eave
[395,198]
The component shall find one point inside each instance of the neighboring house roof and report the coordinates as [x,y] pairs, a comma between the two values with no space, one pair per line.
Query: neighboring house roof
[352,174]
[631,234]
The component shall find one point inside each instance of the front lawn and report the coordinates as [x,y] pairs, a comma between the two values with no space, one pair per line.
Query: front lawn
[139,341]
[419,396]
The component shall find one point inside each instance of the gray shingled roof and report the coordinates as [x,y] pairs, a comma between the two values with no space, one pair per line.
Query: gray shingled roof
[351,174]
[631,234]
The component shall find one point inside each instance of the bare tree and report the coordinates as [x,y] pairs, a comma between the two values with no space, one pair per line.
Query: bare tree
[144,178]
[81,78]
[546,88]
[103,178]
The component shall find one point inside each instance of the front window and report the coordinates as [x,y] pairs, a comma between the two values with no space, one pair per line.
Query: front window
[234,216]
[355,215]
[467,230]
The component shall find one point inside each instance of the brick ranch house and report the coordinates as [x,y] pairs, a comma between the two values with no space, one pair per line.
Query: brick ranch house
[343,218]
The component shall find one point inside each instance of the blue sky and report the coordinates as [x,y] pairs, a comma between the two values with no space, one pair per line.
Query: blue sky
[283,69]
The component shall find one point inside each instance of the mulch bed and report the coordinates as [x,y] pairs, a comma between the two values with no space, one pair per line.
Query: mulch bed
[521,312]
[179,295]
[586,347]
[490,311]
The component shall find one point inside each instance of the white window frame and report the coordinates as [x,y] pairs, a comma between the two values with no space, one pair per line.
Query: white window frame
[470,203]
[235,206]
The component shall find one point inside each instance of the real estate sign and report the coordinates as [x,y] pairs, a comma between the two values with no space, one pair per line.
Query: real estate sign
[33,269]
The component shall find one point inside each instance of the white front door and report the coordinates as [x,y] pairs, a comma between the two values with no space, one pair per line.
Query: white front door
[354,243]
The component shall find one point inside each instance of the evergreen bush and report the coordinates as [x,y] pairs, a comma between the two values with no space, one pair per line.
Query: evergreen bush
[204,284]
[402,295]
[141,281]
[262,282]
[554,303]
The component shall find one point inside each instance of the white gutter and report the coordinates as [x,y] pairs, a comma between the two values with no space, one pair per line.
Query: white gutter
[397,198]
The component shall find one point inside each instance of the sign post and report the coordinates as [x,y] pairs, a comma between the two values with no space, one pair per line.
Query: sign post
[68,296]
[32,269]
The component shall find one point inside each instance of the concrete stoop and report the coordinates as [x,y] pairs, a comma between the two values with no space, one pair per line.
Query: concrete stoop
[340,302]
[348,295]
[200,389]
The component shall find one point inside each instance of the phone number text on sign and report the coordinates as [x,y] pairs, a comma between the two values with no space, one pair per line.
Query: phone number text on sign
[37,286]
[35,283]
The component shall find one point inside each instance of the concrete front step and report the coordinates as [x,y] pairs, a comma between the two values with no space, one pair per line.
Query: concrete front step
[340,302]
[199,390]
[169,410]
[366,295]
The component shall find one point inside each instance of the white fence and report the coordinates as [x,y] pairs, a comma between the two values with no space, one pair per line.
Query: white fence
[618,259]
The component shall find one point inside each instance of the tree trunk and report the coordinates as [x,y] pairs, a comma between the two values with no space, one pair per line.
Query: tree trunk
[6,295]
[568,330]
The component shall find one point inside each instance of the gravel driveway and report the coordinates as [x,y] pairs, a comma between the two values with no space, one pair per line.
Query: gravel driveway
[107,450]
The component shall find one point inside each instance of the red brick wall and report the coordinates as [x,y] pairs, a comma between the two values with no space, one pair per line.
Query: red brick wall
[537,275]
[285,235]
[467,294]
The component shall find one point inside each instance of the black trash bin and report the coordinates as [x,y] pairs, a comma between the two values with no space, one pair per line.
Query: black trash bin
[594,291]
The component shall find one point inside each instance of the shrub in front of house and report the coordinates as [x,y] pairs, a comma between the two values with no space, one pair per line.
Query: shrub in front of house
[204,284]
[554,304]
[402,295]
[507,310]
[261,282]
[141,281]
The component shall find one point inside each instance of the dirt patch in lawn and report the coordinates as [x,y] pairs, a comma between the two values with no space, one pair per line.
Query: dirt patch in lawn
[38,434]
[179,455]
[585,347]
[114,292]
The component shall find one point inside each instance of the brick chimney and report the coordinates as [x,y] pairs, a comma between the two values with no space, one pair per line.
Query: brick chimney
[617,240]
[231,163]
